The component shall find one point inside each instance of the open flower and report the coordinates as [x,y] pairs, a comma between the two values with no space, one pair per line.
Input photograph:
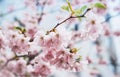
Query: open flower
[3,40]
[92,26]
[17,42]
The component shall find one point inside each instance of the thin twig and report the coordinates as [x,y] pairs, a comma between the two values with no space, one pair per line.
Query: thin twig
[70,17]
[110,17]
[7,13]
[42,11]
[107,19]
[30,57]
[19,21]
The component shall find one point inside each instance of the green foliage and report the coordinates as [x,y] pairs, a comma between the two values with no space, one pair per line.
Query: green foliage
[21,29]
[80,11]
[70,7]
[77,12]
[66,8]
[18,28]
[83,8]
[99,5]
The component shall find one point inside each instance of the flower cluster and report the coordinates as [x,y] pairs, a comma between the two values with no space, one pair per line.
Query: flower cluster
[36,57]
[35,52]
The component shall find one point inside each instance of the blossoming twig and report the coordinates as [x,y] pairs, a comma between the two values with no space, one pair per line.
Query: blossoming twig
[58,24]
[30,57]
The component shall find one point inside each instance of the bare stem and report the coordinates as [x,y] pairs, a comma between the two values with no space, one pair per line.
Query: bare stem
[7,13]
[42,11]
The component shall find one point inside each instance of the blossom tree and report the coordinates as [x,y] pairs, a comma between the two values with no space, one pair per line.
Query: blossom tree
[27,50]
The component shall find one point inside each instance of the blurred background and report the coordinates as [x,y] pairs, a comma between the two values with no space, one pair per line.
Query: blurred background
[103,54]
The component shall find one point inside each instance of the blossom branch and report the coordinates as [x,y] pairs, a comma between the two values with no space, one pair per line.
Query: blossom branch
[30,58]
[70,17]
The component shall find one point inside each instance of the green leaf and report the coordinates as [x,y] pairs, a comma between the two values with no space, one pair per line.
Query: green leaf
[70,7]
[99,5]
[18,28]
[21,29]
[83,8]
[67,0]
[77,12]
[66,8]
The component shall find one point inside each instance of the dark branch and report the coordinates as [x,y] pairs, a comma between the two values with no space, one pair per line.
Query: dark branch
[7,13]
[20,22]
[70,17]
[42,10]
[16,57]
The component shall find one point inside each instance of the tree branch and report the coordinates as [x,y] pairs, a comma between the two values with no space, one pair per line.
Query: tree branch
[42,10]
[70,17]
[7,13]
[30,57]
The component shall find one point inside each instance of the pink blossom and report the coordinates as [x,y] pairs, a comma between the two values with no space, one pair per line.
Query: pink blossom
[6,73]
[31,30]
[53,40]
[41,70]
[3,60]
[49,56]
[3,40]
[35,52]
[18,67]
[11,66]
[17,42]
[93,25]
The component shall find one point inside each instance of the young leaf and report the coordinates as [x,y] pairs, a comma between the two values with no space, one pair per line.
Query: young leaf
[67,0]
[100,5]
[70,7]
[77,12]
[83,8]
[22,30]
[18,28]
[66,8]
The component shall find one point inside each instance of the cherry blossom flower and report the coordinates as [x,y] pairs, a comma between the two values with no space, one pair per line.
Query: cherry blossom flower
[3,40]
[35,51]
[6,73]
[53,40]
[41,70]
[17,42]
[92,25]
[3,60]
[18,67]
